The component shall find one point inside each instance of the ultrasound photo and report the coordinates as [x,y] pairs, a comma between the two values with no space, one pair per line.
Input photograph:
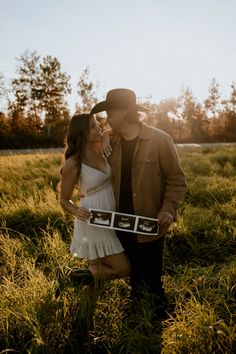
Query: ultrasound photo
[147,226]
[100,218]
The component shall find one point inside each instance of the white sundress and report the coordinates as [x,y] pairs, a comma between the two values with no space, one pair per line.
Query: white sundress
[88,241]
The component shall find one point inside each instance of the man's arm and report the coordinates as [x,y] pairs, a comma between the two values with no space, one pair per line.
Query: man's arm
[175,180]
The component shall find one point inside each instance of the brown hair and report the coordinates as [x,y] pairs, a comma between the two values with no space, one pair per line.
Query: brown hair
[76,138]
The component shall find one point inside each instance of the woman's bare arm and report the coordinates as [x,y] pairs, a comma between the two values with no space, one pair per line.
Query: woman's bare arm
[69,179]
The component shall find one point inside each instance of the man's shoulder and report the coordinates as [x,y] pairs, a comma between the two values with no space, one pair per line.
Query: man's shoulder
[153,132]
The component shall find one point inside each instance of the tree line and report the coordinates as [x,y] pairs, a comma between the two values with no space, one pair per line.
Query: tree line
[38,114]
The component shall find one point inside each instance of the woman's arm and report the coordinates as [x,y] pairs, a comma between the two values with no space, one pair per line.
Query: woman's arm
[68,181]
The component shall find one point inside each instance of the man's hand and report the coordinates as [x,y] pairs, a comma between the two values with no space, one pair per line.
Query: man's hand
[165,219]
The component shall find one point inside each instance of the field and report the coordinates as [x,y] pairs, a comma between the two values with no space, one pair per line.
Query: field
[200,268]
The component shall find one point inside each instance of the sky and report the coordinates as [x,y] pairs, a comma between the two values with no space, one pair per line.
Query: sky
[154,47]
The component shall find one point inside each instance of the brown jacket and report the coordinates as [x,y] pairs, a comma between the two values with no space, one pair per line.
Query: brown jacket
[158,181]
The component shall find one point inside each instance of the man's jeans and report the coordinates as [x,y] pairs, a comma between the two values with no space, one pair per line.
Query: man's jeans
[147,264]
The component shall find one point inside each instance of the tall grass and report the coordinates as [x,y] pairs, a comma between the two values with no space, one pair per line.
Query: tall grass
[38,315]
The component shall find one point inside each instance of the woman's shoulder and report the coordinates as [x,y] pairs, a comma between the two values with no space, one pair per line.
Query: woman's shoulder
[70,165]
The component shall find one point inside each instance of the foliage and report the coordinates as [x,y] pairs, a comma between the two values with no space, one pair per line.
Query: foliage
[40,86]
[212,102]
[86,92]
[187,120]
[39,111]
[3,89]
[39,107]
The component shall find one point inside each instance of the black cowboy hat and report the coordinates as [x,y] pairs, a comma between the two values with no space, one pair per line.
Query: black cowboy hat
[119,98]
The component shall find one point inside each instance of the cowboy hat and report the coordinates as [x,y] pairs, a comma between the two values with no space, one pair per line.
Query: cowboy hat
[119,98]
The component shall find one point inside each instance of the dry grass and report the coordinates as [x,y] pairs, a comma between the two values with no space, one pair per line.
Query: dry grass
[37,316]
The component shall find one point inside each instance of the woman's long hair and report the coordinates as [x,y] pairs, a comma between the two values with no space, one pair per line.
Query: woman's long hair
[76,138]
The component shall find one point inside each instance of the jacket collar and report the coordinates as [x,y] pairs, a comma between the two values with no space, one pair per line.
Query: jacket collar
[144,133]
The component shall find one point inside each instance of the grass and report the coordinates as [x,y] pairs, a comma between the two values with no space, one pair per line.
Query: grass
[37,316]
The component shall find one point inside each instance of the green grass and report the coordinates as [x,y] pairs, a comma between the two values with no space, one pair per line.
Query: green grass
[200,268]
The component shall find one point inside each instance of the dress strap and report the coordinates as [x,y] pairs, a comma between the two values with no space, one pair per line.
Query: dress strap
[105,183]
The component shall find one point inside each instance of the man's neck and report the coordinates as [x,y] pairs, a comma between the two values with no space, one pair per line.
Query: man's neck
[130,131]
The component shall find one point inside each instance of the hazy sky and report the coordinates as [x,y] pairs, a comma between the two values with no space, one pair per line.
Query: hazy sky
[155,47]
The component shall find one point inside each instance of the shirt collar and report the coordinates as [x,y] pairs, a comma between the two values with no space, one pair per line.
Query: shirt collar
[144,133]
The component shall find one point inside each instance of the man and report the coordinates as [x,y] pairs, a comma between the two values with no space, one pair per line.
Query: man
[148,181]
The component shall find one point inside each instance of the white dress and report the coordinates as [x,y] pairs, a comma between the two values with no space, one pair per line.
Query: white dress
[88,241]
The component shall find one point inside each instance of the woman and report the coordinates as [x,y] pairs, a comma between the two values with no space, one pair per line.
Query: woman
[86,168]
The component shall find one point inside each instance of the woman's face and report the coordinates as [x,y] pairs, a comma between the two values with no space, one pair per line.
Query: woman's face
[94,133]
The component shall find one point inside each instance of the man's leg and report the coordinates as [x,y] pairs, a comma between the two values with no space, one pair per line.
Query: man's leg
[147,282]
[146,263]
[150,255]
[130,244]
[146,272]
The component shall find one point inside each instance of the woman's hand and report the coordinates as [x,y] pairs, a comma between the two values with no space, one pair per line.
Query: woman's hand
[106,146]
[82,214]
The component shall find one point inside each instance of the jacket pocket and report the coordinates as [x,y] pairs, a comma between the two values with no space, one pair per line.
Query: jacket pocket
[149,163]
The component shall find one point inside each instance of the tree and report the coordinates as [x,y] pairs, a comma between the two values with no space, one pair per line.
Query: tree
[4,91]
[2,86]
[188,112]
[24,85]
[53,86]
[40,90]
[212,103]
[233,97]
[229,115]
[86,92]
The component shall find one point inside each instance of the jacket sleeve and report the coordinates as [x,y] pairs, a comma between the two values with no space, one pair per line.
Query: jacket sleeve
[175,180]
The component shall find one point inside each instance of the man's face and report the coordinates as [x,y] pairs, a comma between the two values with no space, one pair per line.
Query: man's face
[115,118]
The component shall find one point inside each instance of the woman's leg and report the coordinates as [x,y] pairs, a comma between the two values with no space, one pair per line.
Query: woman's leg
[110,267]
